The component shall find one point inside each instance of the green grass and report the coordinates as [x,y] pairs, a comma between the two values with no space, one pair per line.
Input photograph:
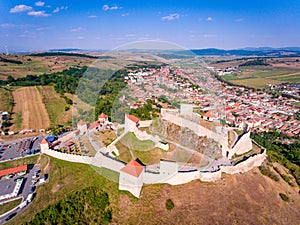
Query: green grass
[55,105]
[125,155]
[230,77]
[271,73]
[265,170]
[260,78]
[9,206]
[18,162]
[294,78]
[87,206]
[150,157]
[132,142]
[107,173]
[6,100]
[255,82]
[250,152]
[19,119]
[296,104]
[286,178]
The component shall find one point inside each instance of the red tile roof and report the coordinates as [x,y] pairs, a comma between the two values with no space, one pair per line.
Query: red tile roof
[13,170]
[102,116]
[69,143]
[133,168]
[81,123]
[207,114]
[133,118]
[44,141]
[93,125]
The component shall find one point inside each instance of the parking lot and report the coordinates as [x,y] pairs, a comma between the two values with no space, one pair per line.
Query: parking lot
[20,148]
[7,185]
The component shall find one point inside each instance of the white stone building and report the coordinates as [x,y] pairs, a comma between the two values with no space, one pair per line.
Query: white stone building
[131,178]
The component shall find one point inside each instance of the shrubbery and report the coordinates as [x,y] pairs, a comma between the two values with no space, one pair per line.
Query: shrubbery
[87,206]
[267,172]
[286,155]
[284,197]
[169,204]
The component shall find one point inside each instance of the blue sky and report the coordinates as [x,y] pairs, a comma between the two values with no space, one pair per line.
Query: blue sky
[40,25]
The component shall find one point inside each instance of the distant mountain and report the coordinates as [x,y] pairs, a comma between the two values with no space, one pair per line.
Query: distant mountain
[297,49]
[66,50]
[76,50]
[169,53]
[262,51]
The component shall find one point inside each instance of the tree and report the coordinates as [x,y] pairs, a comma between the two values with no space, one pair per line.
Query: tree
[10,79]
[169,204]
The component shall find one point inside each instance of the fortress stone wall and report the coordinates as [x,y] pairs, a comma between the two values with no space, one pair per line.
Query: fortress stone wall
[176,178]
[245,166]
[68,157]
[169,170]
[220,133]
[145,123]
[243,145]
[98,160]
[221,136]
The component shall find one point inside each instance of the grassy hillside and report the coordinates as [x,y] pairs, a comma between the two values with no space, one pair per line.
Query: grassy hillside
[249,198]
[21,65]
[258,72]
[56,106]
[65,179]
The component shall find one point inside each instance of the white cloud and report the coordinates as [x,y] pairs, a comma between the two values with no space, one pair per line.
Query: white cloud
[173,16]
[45,28]
[209,19]
[7,25]
[20,8]
[57,9]
[92,16]
[239,20]
[107,7]
[209,35]
[39,3]
[80,37]
[38,14]
[130,35]
[125,14]
[76,29]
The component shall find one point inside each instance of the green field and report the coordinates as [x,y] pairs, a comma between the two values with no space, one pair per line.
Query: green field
[55,105]
[258,78]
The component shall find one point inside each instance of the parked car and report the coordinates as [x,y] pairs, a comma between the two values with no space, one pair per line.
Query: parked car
[10,216]
[5,146]
[32,189]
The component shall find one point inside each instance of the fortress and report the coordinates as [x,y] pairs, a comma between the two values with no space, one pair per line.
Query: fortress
[134,174]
